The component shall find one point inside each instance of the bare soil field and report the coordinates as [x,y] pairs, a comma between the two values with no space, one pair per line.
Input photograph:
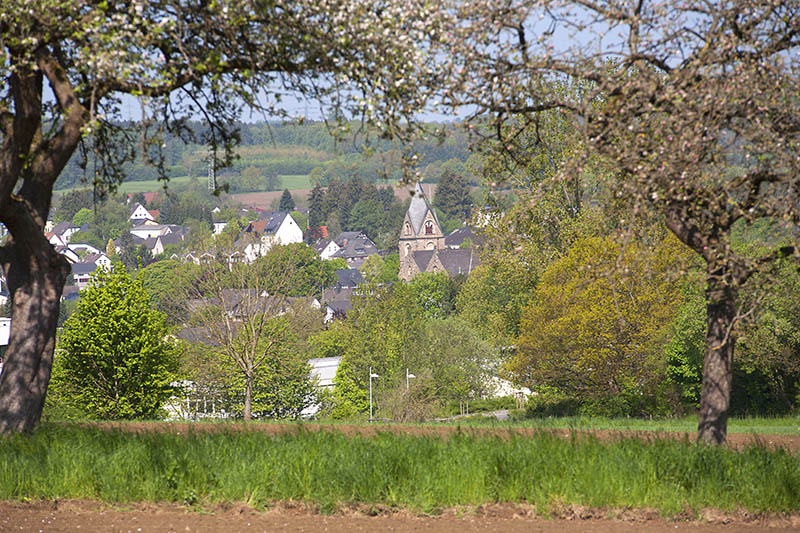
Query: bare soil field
[88,516]
[735,440]
[263,200]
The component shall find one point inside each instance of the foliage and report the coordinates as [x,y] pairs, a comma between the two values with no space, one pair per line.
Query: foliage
[244,312]
[379,332]
[308,273]
[83,216]
[595,327]
[453,196]
[164,282]
[68,66]
[287,202]
[381,270]
[114,361]
[766,370]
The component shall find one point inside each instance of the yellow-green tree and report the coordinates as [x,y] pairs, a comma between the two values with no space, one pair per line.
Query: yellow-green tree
[595,328]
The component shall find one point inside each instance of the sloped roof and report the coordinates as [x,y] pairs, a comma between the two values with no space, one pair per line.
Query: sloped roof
[422,258]
[418,209]
[61,227]
[274,220]
[320,245]
[455,238]
[458,261]
[354,244]
[171,238]
[349,277]
[92,258]
[79,269]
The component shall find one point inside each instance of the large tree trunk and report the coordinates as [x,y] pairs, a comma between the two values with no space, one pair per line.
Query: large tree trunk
[36,274]
[715,395]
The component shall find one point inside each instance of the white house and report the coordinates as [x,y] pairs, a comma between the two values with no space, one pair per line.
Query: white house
[83,271]
[276,228]
[83,247]
[149,230]
[326,248]
[55,240]
[140,213]
[65,230]
[323,370]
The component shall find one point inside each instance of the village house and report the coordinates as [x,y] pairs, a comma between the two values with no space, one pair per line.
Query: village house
[83,270]
[354,247]
[259,236]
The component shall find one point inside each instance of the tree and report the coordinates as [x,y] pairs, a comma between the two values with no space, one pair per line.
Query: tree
[83,216]
[181,59]
[595,331]
[316,214]
[694,108]
[453,196]
[239,308]
[287,202]
[115,362]
[251,179]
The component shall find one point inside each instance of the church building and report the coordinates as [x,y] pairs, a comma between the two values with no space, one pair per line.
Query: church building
[422,243]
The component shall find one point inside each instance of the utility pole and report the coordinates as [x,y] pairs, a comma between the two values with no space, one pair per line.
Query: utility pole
[371,375]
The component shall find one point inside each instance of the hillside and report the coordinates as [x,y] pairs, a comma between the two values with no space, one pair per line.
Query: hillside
[274,157]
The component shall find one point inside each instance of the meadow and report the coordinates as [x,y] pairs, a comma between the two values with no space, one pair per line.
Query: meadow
[328,469]
[787,425]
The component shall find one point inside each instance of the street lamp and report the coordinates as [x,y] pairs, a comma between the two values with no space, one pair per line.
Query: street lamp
[371,375]
[408,376]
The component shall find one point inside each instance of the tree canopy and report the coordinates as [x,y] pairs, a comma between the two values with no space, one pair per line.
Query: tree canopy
[116,362]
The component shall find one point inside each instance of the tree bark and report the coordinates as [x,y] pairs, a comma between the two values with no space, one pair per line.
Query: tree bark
[248,397]
[36,274]
[715,394]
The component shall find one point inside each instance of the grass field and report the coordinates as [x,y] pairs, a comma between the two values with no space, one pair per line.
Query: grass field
[291,182]
[750,425]
[297,181]
[329,468]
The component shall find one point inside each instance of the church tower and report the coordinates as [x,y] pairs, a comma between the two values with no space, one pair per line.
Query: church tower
[421,232]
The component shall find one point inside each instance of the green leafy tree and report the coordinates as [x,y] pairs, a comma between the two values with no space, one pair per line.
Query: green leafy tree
[316,213]
[308,274]
[251,179]
[597,332]
[287,202]
[164,282]
[378,333]
[83,216]
[70,202]
[453,196]
[240,309]
[115,361]
[432,293]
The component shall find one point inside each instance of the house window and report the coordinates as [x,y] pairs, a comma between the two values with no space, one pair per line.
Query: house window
[429,245]
[408,228]
[428,227]
[408,249]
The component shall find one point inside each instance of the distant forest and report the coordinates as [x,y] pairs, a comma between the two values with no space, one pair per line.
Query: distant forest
[268,152]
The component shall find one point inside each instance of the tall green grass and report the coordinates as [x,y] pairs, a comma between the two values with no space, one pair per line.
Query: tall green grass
[751,425]
[422,473]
